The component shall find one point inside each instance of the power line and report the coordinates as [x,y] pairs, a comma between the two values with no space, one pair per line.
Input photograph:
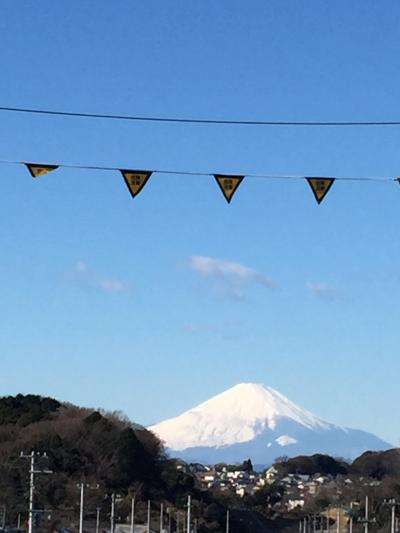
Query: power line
[202,173]
[139,118]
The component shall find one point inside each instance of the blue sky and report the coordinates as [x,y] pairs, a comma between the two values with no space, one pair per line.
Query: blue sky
[154,304]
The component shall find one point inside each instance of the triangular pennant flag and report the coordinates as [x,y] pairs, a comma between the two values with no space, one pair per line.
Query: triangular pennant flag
[135,180]
[228,185]
[320,187]
[36,169]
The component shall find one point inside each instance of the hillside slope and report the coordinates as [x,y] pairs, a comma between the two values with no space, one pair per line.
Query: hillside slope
[104,450]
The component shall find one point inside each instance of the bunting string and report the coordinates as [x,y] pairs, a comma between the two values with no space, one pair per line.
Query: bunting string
[228,183]
[82,166]
[136,180]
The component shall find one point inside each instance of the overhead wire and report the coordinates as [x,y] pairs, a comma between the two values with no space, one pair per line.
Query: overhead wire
[200,121]
[194,120]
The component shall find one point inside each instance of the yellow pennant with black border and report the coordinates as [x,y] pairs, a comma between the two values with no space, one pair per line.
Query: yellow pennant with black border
[320,187]
[37,169]
[228,185]
[135,180]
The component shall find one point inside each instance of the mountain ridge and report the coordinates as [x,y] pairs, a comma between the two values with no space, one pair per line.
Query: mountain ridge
[254,420]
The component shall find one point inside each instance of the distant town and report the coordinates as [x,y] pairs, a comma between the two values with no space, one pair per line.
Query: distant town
[68,469]
[337,496]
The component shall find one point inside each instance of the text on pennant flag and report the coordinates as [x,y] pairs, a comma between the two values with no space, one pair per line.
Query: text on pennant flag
[36,169]
[228,185]
[135,180]
[320,187]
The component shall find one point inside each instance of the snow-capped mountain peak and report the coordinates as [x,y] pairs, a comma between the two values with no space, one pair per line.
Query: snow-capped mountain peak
[237,415]
[256,421]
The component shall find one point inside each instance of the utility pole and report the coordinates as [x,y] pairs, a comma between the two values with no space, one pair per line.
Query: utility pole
[338,520]
[393,504]
[169,520]
[227,521]
[351,518]
[97,519]
[82,487]
[366,521]
[148,516]
[32,456]
[189,503]
[112,516]
[133,515]
[31,492]
[161,517]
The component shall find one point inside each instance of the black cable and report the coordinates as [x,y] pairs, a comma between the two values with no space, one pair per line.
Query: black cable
[201,120]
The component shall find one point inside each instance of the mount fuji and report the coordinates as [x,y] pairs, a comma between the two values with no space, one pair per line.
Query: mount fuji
[257,422]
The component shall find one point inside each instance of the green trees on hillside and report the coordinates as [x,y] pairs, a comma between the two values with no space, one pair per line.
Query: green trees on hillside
[104,450]
[312,464]
[25,410]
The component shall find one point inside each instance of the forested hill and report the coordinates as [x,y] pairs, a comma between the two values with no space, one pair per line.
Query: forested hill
[81,443]
[376,465]
[105,450]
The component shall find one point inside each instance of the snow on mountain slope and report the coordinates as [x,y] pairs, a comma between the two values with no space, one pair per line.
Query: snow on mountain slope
[236,415]
[285,440]
[256,421]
